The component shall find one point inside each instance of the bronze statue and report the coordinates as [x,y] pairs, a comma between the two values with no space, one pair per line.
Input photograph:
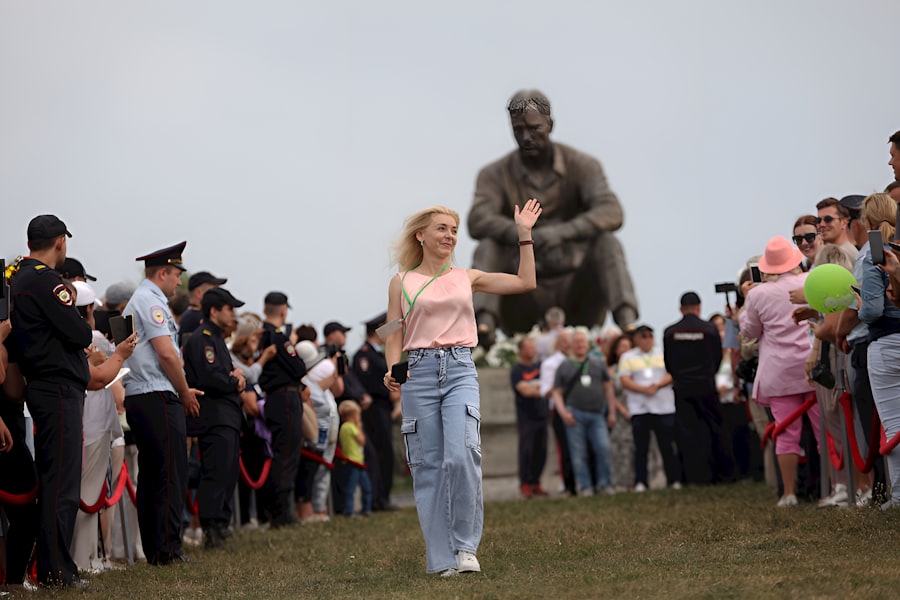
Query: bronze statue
[580,263]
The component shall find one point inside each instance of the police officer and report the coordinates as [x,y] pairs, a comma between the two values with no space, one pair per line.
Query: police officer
[280,380]
[692,350]
[73,270]
[198,284]
[47,341]
[369,367]
[208,368]
[17,474]
[157,397]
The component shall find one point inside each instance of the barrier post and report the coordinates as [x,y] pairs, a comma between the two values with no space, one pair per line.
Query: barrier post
[848,457]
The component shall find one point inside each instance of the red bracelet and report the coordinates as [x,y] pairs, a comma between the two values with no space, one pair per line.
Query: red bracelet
[526,242]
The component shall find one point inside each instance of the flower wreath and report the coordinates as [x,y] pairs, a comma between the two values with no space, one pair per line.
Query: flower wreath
[12,269]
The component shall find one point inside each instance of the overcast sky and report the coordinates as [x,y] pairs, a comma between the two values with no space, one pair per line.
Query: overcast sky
[286,141]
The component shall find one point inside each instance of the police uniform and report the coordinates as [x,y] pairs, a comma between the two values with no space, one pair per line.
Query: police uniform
[155,414]
[692,350]
[280,380]
[17,478]
[48,339]
[369,367]
[208,368]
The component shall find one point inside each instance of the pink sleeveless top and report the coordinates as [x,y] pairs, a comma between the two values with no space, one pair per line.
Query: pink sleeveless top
[443,314]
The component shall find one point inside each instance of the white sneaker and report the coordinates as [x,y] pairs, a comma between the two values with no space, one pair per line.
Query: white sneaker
[863,499]
[838,498]
[676,485]
[790,500]
[467,563]
[586,492]
[450,573]
[640,487]
[890,504]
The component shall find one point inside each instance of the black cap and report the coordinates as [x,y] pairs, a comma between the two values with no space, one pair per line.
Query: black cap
[73,268]
[642,329]
[375,323]
[201,277]
[166,256]
[852,202]
[46,227]
[333,326]
[276,299]
[690,299]
[219,296]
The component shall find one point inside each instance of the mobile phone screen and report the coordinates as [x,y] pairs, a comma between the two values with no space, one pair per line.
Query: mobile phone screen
[755,275]
[876,247]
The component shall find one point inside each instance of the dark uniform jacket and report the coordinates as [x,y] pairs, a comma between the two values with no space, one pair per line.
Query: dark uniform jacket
[208,367]
[692,350]
[286,368]
[48,335]
[369,366]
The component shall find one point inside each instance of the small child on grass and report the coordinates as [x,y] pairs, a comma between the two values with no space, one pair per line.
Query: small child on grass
[353,442]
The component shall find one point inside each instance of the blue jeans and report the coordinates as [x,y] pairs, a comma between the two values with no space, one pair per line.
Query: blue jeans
[442,431]
[357,477]
[589,427]
[884,375]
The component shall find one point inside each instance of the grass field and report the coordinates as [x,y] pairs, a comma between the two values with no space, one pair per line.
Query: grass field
[722,542]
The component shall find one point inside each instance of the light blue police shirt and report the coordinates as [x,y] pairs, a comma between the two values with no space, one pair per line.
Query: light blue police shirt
[152,319]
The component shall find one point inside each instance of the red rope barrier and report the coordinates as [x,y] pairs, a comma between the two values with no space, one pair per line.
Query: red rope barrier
[316,458]
[885,446]
[96,506]
[19,499]
[103,501]
[864,466]
[338,455]
[263,474]
[837,460]
[773,430]
[193,507]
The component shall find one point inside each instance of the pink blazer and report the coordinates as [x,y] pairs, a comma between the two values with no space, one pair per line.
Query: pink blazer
[783,346]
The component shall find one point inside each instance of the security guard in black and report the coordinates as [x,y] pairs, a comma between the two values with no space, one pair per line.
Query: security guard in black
[208,367]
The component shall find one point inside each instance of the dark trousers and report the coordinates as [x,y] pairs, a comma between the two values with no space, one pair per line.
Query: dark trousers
[532,448]
[157,421]
[56,410]
[663,426]
[284,418]
[219,453]
[865,407]
[705,458]
[562,442]
[254,455]
[18,477]
[379,429]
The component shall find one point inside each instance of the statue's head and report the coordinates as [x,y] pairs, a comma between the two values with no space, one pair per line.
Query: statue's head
[529,115]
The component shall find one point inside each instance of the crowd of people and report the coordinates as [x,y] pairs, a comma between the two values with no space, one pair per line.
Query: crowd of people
[180,398]
[769,369]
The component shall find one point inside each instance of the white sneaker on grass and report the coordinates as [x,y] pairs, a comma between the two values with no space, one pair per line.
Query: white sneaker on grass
[838,498]
[451,572]
[640,487]
[790,500]
[466,562]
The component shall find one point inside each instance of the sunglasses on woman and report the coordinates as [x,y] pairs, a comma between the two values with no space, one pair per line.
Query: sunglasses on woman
[809,238]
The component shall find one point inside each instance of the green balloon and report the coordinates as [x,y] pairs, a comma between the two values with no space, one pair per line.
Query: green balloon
[827,288]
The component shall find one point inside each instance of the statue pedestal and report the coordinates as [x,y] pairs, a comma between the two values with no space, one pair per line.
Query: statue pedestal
[499,438]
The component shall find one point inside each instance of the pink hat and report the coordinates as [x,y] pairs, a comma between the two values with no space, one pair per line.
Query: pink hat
[780,257]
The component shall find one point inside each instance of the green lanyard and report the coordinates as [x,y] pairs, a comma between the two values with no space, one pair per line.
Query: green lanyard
[412,301]
[584,365]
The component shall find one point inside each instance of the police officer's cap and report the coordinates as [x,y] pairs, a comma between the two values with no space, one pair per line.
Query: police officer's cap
[201,277]
[643,329]
[219,297]
[373,324]
[46,227]
[690,299]
[166,256]
[853,203]
[333,326]
[73,268]
[276,299]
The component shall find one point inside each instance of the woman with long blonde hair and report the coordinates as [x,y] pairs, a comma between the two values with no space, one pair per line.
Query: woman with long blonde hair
[431,317]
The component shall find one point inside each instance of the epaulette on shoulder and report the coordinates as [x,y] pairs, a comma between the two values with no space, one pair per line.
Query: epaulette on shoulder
[207,332]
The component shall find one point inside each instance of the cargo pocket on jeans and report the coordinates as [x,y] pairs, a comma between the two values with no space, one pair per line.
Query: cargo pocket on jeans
[473,426]
[415,456]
